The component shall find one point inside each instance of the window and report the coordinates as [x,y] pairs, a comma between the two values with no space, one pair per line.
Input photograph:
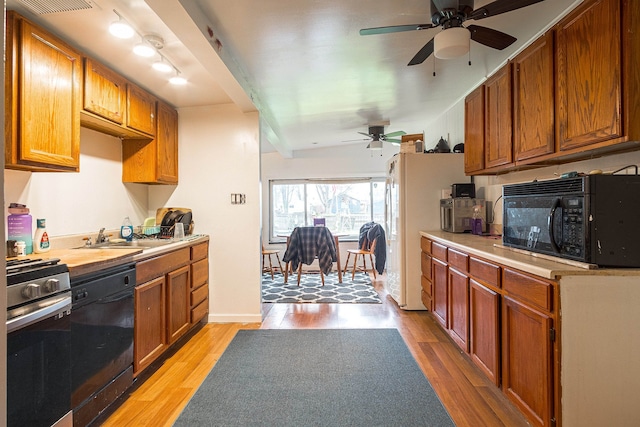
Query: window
[345,205]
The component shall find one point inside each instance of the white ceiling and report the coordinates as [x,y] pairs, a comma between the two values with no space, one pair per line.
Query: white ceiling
[301,63]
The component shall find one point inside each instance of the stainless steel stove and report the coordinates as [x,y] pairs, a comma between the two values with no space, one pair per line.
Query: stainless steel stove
[38,343]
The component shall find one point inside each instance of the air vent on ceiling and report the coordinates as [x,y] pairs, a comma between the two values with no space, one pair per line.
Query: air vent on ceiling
[42,7]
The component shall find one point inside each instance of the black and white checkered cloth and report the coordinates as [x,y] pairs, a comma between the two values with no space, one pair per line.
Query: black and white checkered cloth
[307,243]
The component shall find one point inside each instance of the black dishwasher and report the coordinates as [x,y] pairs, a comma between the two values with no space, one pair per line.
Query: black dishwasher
[101,340]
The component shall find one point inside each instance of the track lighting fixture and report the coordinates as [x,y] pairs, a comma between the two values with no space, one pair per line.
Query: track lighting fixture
[149,45]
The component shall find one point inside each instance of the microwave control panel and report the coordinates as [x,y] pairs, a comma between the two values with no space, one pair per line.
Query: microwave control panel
[573,226]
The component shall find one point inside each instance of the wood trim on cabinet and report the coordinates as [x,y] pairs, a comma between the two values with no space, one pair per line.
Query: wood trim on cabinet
[199,273]
[425,245]
[528,289]
[425,264]
[458,259]
[439,251]
[199,251]
[161,265]
[484,330]
[485,271]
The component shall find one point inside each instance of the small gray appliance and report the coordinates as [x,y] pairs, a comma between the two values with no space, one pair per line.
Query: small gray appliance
[456,214]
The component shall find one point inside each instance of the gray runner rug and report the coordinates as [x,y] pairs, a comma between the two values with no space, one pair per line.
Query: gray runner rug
[315,377]
[359,290]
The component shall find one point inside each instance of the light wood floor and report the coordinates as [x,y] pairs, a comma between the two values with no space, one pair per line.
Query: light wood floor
[468,396]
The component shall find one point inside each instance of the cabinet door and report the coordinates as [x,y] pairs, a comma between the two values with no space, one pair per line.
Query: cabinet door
[178,303]
[533,100]
[45,98]
[149,326]
[498,132]
[474,131]
[527,372]
[440,291]
[104,91]
[459,308]
[484,330]
[141,110]
[588,80]
[167,140]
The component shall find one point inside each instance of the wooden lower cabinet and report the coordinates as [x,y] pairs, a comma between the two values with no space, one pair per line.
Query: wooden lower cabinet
[527,355]
[178,305]
[484,329]
[504,319]
[149,327]
[459,308]
[440,291]
[171,296]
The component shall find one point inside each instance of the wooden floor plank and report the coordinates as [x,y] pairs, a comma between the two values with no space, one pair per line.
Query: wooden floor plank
[469,397]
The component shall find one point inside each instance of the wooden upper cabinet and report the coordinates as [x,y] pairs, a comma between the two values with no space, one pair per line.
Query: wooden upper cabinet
[474,131]
[141,110]
[588,79]
[533,100]
[105,91]
[154,162]
[498,132]
[43,99]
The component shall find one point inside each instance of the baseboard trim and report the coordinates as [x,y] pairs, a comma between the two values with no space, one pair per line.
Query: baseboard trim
[234,318]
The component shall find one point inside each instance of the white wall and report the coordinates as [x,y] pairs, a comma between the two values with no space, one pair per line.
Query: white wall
[219,155]
[76,203]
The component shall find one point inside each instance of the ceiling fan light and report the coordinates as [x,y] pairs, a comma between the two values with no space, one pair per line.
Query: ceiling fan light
[452,43]
[178,80]
[375,145]
[121,29]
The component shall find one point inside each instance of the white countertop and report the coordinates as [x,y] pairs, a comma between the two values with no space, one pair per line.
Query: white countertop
[491,249]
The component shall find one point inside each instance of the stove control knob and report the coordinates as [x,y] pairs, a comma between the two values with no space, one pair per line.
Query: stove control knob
[52,285]
[32,290]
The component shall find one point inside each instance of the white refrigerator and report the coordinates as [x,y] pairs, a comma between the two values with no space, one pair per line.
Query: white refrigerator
[414,187]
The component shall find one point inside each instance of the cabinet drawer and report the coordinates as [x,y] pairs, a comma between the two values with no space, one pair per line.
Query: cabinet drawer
[426,300]
[425,265]
[485,271]
[199,295]
[458,260]
[528,289]
[199,251]
[161,265]
[199,272]
[426,285]
[199,311]
[425,245]
[439,251]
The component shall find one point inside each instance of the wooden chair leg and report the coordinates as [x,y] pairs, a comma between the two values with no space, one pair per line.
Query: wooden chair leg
[299,273]
[373,267]
[279,264]
[271,267]
[322,277]
[286,271]
[346,264]
[355,264]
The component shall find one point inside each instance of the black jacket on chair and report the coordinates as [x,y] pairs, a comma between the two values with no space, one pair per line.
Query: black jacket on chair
[368,233]
[307,243]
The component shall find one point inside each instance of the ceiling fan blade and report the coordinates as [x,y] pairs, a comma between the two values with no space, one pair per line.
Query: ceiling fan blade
[394,29]
[394,141]
[500,6]
[392,134]
[422,54]
[490,37]
[365,134]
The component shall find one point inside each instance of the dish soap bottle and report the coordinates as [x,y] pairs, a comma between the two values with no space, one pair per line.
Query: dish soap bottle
[126,231]
[41,238]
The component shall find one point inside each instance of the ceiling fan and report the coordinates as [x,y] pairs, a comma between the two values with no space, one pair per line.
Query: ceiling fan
[453,40]
[377,136]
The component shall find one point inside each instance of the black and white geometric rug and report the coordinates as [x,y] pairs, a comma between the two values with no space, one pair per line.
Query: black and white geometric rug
[359,290]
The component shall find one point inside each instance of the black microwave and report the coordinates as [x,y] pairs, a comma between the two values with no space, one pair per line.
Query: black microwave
[591,219]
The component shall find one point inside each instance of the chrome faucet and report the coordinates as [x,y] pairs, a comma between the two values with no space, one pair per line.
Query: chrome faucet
[101,236]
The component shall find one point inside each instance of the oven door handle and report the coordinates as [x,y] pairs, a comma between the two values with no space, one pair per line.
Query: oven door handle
[550,220]
[61,306]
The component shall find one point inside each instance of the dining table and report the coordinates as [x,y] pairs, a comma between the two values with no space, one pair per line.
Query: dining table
[336,239]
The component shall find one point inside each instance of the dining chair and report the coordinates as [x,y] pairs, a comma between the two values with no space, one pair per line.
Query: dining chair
[268,253]
[363,251]
[307,244]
